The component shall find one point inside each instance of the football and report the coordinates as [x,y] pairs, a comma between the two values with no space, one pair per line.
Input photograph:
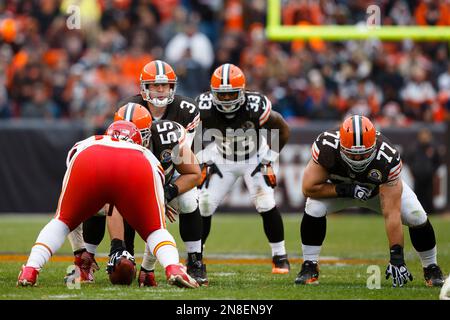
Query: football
[124,272]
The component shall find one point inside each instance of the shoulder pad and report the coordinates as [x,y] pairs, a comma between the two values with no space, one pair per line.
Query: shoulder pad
[388,157]
[204,101]
[167,132]
[325,148]
[258,105]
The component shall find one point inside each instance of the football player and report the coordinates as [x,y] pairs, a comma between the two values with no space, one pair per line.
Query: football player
[233,119]
[166,140]
[158,94]
[357,166]
[133,183]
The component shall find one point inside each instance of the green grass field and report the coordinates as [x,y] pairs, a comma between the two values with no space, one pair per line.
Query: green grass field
[358,240]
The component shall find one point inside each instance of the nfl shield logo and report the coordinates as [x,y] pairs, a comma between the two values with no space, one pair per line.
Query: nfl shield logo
[374,175]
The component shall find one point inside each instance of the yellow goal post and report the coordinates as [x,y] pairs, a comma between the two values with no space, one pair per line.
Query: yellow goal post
[275,31]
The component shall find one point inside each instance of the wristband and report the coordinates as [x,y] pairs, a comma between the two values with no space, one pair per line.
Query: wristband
[397,257]
[170,191]
[344,190]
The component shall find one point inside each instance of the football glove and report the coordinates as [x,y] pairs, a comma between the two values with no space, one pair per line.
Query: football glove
[208,169]
[352,190]
[266,168]
[115,257]
[267,172]
[397,268]
[170,191]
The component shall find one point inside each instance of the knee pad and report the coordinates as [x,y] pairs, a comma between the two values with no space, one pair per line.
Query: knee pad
[206,204]
[264,202]
[315,208]
[188,201]
[415,218]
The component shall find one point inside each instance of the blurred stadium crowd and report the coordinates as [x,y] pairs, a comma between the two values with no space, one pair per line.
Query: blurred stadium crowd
[50,71]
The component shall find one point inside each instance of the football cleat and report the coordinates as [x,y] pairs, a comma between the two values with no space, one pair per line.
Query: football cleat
[27,276]
[280,264]
[176,274]
[197,270]
[433,276]
[309,274]
[147,278]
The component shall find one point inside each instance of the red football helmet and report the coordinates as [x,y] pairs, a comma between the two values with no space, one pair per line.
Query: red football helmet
[227,87]
[158,72]
[358,138]
[124,130]
[140,116]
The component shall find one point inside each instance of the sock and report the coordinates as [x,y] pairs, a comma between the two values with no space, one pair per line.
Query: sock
[191,226]
[428,257]
[311,252]
[193,246]
[278,248]
[312,232]
[94,230]
[76,239]
[422,237]
[148,261]
[206,228]
[91,248]
[273,225]
[163,246]
[50,239]
[167,255]
[129,237]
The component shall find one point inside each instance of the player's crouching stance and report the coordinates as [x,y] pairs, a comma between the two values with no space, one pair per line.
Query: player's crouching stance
[133,183]
[236,120]
[358,167]
[167,111]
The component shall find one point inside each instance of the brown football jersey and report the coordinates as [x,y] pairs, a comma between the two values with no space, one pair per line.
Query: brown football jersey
[385,167]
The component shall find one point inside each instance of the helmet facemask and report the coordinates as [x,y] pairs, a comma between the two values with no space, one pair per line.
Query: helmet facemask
[154,96]
[366,155]
[125,131]
[146,135]
[228,100]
